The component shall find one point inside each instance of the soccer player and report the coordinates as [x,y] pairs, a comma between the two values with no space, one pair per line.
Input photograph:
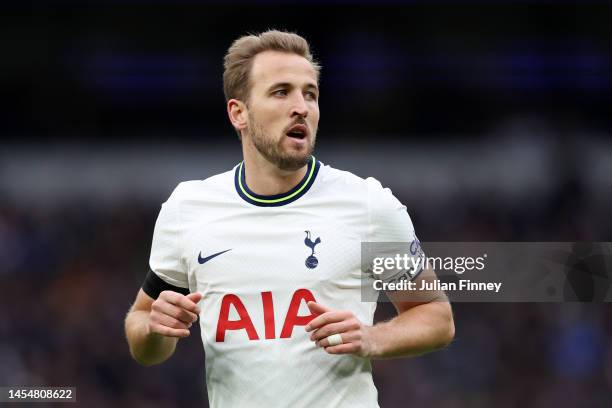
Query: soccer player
[267,255]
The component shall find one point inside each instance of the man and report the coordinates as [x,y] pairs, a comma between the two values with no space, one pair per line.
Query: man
[268,255]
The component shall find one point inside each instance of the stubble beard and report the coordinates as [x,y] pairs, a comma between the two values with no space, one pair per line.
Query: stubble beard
[273,151]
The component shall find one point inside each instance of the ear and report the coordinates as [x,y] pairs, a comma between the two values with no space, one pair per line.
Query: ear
[237,112]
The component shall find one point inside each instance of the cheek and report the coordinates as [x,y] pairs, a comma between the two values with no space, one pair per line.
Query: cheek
[314,111]
[315,118]
[272,125]
[266,119]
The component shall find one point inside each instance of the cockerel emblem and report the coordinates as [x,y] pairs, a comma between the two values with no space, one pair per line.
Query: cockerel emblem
[311,261]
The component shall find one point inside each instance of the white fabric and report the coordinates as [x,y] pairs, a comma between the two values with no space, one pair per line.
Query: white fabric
[266,265]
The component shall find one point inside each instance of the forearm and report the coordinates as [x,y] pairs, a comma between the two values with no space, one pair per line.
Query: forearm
[147,348]
[418,330]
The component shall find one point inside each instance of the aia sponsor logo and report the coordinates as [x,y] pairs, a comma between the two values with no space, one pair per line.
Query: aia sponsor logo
[244,322]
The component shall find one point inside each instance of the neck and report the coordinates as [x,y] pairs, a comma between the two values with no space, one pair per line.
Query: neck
[265,178]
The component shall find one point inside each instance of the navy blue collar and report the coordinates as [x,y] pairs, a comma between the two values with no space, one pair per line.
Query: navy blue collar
[278,199]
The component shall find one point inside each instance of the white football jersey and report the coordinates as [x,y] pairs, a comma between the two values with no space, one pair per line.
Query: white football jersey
[258,260]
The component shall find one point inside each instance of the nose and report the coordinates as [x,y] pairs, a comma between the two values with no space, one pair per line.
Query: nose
[299,106]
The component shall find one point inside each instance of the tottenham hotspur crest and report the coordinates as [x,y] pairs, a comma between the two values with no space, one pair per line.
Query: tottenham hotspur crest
[311,261]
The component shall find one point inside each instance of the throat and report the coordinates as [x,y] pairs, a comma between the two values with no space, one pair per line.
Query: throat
[271,181]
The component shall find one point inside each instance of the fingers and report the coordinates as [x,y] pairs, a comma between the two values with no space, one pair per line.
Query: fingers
[317,308]
[181,301]
[168,331]
[172,314]
[347,337]
[355,337]
[175,312]
[168,326]
[348,348]
[353,342]
[195,297]
[327,318]
[333,328]
[168,321]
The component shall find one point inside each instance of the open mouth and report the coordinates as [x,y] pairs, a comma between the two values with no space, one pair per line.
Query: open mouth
[297,132]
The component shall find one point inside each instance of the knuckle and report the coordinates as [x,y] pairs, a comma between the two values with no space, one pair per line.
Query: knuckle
[173,312]
[160,303]
[188,307]
[177,324]
[166,294]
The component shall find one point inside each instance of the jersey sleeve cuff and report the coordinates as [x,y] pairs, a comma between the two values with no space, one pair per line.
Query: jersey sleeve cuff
[154,285]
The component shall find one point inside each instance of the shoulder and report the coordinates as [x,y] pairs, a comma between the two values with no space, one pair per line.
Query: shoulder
[213,186]
[342,179]
[369,188]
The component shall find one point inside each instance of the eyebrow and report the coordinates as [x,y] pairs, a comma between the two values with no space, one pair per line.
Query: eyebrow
[289,85]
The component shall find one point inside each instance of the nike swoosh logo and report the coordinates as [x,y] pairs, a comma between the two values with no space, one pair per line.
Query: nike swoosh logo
[209,257]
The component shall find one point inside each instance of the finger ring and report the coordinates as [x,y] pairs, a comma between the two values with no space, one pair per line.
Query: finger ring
[334,339]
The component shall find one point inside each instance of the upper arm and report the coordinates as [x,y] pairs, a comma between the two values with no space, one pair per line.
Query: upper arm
[407,299]
[167,271]
[166,260]
[391,228]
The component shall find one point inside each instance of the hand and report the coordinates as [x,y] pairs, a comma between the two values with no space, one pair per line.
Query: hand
[356,338]
[172,313]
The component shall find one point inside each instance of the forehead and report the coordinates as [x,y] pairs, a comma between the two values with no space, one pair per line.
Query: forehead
[273,66]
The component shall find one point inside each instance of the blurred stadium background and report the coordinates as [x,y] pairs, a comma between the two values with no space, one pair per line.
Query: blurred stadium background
[490,120]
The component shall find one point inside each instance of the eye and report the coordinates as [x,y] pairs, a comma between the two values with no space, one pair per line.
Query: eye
[311,95]
[280,92]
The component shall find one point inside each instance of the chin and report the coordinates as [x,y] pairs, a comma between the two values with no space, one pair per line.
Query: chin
[293,162]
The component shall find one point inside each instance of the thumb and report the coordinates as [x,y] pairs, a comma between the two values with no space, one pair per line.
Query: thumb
[195,297]
[317,308]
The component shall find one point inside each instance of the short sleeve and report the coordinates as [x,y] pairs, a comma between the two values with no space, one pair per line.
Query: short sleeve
[165,261]
[389,223]
[388,219]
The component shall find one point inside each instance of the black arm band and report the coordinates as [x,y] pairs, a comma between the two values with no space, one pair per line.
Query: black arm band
[154,285]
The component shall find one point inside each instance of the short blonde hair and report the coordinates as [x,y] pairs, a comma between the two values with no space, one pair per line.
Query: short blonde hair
[239,59]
